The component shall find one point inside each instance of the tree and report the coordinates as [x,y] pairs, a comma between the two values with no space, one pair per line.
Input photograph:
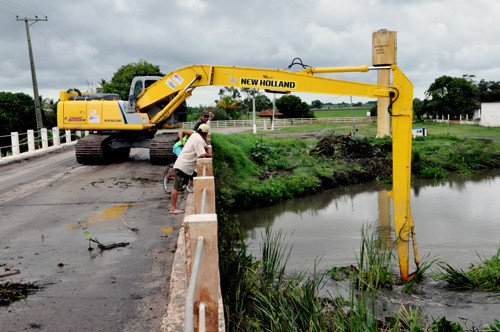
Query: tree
[293,107]
[17,114]
[49,112]
[489,91]
[418,108]
[231,106]
[229,91]
[451,95]
[316,104]
[122,78]
[262,102]
[247,103]
[374,109]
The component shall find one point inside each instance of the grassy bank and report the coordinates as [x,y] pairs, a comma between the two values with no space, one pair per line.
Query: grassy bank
[255,171]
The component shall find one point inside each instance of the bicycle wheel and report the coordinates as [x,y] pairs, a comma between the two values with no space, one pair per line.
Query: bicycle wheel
[168,177]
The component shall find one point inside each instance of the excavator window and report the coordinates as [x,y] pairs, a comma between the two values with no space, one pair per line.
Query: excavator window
[148,83]
[137,89]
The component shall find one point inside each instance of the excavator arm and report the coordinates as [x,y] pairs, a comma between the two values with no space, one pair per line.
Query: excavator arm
[158,102]
[180,84]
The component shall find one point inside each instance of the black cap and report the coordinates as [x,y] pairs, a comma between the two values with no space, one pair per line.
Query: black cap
[205,113]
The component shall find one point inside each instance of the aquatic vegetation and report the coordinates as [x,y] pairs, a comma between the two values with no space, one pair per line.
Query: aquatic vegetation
[483,276]
[258,171]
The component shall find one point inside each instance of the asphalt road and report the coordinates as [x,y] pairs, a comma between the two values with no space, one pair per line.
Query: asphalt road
[46,205]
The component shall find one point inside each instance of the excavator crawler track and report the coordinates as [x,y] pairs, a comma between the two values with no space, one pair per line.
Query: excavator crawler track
[161,152]
[94,150]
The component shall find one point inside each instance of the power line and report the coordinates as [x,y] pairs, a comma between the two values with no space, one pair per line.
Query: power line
[19,7]
[74,46]
[6,11]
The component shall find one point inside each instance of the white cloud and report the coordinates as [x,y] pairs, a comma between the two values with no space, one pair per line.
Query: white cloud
[86,41]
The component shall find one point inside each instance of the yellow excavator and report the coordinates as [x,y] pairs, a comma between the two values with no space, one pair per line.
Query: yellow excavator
[159,102]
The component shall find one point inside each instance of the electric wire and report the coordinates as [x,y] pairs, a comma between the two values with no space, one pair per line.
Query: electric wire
[20,7]
[6,12]
[53,25]
[79,53]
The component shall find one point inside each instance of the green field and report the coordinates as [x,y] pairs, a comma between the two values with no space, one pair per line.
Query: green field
[341,113]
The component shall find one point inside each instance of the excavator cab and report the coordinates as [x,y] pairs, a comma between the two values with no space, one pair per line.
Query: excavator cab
[138,85]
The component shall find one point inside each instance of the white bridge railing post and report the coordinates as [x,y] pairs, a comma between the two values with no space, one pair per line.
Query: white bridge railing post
[55,137]
[45,140]
[31,140]
[14,137]
[68,136]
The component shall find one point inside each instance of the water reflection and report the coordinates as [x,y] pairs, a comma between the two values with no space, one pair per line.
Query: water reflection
[456,220]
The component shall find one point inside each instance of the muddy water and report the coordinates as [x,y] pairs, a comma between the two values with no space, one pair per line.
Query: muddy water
[457,221]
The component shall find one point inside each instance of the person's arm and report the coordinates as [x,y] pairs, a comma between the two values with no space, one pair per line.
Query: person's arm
[208,152]
[183,133]
[212,116]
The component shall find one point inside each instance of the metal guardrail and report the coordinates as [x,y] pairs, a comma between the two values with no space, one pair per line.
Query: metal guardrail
[203,200]
[189,314]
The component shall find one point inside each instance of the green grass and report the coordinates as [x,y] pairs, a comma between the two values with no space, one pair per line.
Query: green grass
[256,171]
[436,156]
[461,131]
[342,113]
[264,297]
[484,276]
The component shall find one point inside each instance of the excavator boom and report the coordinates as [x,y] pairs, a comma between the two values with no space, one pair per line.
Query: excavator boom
[158,102]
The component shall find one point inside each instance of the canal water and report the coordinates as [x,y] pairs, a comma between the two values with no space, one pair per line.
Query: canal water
[457,221]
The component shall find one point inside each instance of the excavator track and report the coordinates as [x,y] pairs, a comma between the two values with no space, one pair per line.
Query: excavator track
[161,152]
[94,150]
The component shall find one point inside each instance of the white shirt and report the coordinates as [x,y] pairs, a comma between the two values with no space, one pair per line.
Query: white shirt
[193,149]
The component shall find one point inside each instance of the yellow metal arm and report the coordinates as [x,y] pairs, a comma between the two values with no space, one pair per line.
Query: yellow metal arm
[401,92]
[258,78]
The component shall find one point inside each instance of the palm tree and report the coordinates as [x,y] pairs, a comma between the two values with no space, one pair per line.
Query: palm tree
[231,106]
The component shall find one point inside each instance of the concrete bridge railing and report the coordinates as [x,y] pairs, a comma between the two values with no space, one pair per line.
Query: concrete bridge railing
[33,143]
[204,311]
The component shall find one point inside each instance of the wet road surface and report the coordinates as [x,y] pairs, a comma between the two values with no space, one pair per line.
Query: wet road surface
[46,205]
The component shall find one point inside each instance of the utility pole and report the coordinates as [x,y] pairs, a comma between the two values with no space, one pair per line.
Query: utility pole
[38,111]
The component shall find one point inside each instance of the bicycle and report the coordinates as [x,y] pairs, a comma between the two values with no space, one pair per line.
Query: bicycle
[169,177]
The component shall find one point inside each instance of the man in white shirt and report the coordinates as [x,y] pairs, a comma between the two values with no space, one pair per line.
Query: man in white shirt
[185,165]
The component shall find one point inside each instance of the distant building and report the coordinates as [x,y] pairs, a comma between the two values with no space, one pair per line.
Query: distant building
[269,114]
[490,115]
[419,132]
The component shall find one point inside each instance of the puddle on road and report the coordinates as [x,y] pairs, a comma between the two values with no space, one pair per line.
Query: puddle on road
[167,231]
[104,215]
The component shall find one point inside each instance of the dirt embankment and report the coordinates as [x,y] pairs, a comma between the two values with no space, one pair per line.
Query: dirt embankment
[369,162]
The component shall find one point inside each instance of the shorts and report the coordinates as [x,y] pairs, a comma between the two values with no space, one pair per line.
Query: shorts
[181,179]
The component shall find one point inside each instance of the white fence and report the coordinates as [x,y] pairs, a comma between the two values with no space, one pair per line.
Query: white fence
[33,141]
[443,119]
[266,123]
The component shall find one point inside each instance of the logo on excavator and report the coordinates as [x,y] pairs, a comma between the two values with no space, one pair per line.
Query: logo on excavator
[268,83]
[74,118]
